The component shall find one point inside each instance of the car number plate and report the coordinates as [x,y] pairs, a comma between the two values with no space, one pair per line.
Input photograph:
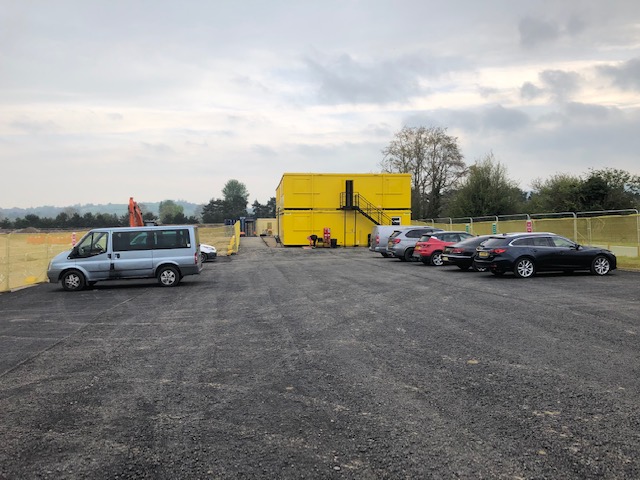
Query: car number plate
[483,254]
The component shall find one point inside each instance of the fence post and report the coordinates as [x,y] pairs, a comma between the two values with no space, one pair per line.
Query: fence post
[4,279]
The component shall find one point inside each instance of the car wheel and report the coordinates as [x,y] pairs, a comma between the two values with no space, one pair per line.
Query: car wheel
[168,277]
[408,254]
[524,268]
[477,268]
[600,265]
[436,259]
[203,257]
[72,281]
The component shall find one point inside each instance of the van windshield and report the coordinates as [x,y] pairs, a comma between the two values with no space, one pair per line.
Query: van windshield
[93,243]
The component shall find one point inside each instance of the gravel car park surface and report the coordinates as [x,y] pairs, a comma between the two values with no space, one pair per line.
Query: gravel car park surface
[324,363]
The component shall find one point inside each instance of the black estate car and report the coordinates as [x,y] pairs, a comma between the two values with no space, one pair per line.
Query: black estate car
[527,253]
[462,253]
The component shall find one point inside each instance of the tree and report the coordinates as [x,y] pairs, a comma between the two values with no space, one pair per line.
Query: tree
[487,190]
[170,212]
[213,212]
[264,211]
[610,189]
[236,197]
[560,193]
[604,189]
[434,161]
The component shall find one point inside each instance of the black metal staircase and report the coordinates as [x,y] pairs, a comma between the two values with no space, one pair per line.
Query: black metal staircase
[355,201]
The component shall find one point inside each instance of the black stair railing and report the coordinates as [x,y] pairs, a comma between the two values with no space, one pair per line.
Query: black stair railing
[365,207]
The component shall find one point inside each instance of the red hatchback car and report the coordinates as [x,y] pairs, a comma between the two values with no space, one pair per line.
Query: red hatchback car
[430,246]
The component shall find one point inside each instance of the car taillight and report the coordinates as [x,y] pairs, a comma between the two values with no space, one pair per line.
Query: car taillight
[377,239]
[396,240]
[498,251]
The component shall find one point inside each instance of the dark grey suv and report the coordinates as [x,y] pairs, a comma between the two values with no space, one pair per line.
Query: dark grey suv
[402,243]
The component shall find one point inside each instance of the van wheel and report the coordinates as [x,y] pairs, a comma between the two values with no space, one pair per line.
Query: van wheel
[168,276]
[72,281]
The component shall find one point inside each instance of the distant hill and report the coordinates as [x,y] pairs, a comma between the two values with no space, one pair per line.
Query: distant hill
[47,211]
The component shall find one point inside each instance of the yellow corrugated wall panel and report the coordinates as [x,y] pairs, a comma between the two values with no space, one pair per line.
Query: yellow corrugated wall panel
[322,190]
[350,228]
[266,226]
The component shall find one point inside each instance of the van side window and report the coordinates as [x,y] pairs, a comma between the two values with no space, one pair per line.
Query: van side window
[127,241]
[93,244]
[174,238]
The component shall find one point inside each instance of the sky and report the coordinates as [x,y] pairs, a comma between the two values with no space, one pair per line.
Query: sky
[109,99]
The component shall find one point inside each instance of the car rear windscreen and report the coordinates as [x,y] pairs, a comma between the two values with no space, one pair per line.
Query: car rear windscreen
[494,242]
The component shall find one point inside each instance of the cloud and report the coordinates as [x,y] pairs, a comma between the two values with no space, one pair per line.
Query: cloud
[34,127]
[534,31]
[158,148]
[625,75]
[560,84]
[529,91]
[585,112]
[252,89]
[506,119]
[492,119]
[345,79]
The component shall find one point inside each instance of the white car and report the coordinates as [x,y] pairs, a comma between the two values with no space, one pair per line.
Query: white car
[207,252]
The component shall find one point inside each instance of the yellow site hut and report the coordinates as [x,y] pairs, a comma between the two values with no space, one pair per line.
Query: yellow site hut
[348,205]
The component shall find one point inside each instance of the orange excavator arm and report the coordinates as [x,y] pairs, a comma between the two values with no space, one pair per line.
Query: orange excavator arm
[135,214]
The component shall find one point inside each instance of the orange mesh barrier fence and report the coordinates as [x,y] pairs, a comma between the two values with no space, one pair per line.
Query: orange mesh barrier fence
[24,257]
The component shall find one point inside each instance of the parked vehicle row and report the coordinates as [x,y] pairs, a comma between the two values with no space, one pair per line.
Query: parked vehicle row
[523,253]
[401,243]
[430,247]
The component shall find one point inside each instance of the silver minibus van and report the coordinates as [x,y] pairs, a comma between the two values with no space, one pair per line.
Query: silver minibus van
[167,253]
